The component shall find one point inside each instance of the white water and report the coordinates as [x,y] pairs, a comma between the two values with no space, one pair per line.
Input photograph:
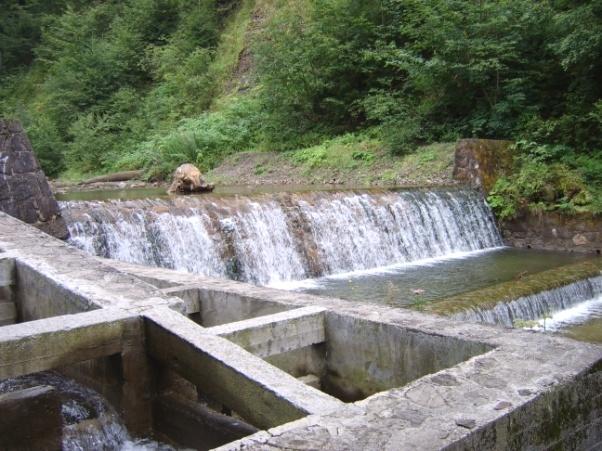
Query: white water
[89,422]
[275,239]
[539,306]
[572,316]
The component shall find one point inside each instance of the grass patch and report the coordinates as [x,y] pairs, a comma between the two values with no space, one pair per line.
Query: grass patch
[349,151]
[232,43]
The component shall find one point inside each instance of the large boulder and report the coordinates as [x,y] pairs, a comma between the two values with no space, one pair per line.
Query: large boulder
[24,190]
[188,179]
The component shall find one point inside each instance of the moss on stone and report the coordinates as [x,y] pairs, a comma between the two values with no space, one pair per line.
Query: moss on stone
[508,291]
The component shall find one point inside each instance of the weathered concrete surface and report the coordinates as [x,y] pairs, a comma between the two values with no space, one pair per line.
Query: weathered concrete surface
[479,162]
[194,425]
[24,190]
[491,388]
[8,313]
[500,400]
[70,281]
[508,389]
[46,344]
[554,231]
[31,420]
[214,308]
[260,393]
[365,357]
[278,333]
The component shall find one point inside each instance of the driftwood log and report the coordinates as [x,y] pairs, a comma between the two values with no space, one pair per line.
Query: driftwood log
[114,177]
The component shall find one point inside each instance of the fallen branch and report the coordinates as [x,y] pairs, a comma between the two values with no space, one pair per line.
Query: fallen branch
[115,177]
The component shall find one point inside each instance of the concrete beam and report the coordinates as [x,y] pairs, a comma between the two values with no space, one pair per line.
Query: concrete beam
[7,272]
[195,426]
[60,341]
[262,394]
[275,334]
[8,313]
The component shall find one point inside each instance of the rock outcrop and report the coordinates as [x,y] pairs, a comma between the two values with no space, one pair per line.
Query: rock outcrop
[24,190]
[188,179]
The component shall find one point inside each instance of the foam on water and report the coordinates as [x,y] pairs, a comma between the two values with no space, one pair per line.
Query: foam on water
[537,306]
[578,314]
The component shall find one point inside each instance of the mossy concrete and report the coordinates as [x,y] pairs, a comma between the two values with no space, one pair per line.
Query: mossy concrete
[487,298]
[480,162]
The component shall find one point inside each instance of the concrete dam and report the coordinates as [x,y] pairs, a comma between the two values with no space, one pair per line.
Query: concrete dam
[169,315]
[275,238]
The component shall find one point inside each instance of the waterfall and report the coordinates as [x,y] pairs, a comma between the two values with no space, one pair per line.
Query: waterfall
[273,238]
[536,306]
[89,422]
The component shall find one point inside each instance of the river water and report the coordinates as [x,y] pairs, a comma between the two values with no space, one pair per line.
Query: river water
[393,247]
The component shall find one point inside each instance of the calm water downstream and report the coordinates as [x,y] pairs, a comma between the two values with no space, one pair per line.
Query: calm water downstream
[439,278]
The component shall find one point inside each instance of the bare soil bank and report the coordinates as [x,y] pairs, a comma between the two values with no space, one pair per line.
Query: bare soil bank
[431,165]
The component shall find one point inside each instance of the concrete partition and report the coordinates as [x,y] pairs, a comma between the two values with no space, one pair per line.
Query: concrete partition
[213,307]
[51,343]
[258,392]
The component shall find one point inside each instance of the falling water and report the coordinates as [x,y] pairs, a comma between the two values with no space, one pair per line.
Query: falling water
[274,238]
[536,306]
[89,422]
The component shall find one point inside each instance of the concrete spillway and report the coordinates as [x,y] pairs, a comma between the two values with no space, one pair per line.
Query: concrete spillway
[274,238]
[536,306]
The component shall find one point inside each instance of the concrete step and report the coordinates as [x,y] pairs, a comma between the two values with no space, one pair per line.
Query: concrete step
[8,313]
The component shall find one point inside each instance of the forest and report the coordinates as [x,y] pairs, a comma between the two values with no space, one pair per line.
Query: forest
[149,84]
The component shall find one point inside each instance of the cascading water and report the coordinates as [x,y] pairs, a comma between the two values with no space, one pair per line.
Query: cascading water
[89,422]
[271,239]
[536,306]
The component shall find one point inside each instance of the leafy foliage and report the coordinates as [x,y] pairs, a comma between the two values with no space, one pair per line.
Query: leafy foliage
[133,83]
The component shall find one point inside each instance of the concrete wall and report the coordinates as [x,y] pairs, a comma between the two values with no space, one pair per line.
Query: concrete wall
[38,296]
[366,357]
[213,307]
[567,418]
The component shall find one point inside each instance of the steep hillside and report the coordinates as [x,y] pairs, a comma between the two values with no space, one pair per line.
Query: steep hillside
[150,84]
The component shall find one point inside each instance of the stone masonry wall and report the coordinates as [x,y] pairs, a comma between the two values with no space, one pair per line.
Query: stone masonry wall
[554,231]
[479,162]
[24,190]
